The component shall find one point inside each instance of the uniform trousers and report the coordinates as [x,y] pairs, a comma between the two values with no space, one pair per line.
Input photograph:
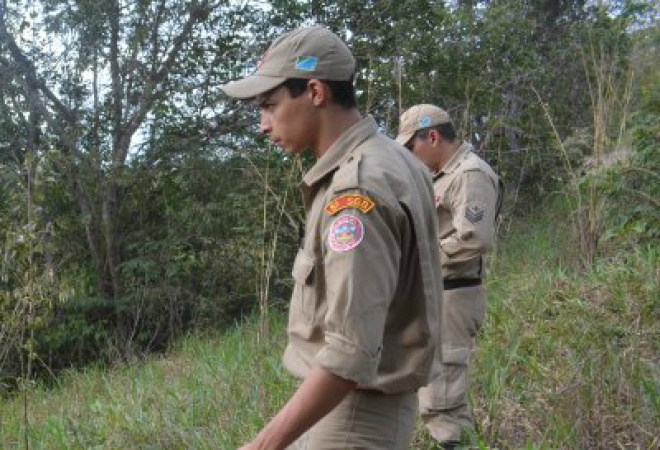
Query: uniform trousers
[443,404]
[364,420]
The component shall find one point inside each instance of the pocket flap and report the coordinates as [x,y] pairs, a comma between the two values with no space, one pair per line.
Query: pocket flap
[453,355]
[302,267]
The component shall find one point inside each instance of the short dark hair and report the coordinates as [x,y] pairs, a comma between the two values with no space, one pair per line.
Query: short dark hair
[445,129]
[343,92]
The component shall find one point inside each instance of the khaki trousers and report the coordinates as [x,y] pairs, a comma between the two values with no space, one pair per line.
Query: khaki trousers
[364,420]
[443,404]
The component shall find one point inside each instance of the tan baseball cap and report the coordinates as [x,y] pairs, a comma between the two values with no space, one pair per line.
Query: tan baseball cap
[417,118]
[310,52]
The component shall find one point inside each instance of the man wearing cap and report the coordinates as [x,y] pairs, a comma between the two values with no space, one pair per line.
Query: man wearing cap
[364,313]
[467,196]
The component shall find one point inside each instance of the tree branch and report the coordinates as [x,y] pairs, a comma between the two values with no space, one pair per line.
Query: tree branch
[197,13]
[155,49]
[28,70]
[115,78]
[644,195]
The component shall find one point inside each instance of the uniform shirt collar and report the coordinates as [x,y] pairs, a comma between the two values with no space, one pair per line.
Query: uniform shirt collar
[340,149]
[455,160]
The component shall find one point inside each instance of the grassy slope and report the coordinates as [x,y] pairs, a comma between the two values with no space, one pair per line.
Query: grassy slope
[569,356]
[568,359]
[210,392]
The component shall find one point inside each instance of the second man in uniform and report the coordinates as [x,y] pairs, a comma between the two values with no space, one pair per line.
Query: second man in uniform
[467,197]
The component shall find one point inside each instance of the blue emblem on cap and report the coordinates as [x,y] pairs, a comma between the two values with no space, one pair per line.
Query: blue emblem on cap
[306,63]
[425,121]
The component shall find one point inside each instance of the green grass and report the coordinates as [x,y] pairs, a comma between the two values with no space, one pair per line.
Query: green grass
[567,359]
[210,392]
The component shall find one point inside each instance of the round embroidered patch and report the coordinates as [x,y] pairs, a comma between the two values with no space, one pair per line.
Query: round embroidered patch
[346,232]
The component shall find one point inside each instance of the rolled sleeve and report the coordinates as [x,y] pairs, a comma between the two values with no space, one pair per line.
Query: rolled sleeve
[345,359]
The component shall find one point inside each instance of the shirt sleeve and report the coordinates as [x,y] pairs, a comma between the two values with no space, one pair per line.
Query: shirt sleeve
[473,206]
[361,255]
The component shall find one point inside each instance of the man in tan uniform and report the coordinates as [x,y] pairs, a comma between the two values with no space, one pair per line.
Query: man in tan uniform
[364,313]
[467,196]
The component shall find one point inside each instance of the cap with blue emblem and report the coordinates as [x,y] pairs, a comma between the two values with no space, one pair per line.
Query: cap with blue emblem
[310,52]
[419,117]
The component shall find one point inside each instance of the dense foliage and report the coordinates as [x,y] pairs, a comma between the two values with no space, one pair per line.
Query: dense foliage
[137,202]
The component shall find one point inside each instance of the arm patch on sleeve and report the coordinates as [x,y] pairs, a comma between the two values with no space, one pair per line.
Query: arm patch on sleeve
[346,233]
[356,201]
[475,213]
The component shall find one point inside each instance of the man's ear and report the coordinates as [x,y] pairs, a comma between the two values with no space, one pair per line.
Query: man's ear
[435,136]
[319,91]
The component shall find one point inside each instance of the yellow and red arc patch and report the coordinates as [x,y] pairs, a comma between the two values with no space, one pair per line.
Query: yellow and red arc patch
[356,201]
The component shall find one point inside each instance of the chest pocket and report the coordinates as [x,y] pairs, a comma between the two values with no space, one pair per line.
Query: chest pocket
[303,301]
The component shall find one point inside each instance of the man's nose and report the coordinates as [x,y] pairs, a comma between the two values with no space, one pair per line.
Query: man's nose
[264,123]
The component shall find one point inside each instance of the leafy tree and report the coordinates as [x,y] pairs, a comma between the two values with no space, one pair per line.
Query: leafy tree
[156,206]
[113,66]
[95,95]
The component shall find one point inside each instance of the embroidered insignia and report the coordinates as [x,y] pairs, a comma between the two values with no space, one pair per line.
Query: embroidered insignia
[306,63]
[474,213]
[425,121]
[346,233]
[361,202]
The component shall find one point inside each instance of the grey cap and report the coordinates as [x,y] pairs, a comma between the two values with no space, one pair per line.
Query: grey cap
[419,117]
[310,52]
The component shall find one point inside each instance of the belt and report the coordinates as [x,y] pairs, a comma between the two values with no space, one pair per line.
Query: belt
[460,283]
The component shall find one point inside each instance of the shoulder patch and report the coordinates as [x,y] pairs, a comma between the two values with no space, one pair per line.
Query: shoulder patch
[356,201]
[346,233]
[475,213]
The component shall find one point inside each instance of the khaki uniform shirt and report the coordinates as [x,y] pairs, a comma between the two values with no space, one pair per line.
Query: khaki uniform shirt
[467,196]
[366,296]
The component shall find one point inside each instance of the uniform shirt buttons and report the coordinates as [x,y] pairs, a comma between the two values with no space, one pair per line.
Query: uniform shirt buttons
[350,159]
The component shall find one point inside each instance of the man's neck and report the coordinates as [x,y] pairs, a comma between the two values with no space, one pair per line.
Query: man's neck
[449,150]
[334,122]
